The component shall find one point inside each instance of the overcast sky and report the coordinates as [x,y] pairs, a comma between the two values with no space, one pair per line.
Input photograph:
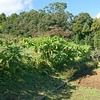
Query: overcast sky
[74,6]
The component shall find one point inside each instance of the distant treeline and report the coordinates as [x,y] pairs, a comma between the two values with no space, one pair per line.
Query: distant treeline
[53,19]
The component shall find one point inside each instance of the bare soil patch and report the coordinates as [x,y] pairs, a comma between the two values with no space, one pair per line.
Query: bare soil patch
[92,80]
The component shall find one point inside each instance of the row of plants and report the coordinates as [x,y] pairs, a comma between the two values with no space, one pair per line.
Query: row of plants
[30,67]
[46,53]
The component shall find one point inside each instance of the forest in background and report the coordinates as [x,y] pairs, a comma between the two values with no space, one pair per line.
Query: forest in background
[53,19]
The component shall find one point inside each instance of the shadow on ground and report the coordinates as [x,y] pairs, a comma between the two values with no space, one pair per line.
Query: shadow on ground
[88,71]
[32,85]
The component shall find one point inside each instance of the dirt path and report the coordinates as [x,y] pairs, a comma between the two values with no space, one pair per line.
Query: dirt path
[92,81]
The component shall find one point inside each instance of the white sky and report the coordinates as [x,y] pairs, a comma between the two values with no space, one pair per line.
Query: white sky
[98,15]
[14,6]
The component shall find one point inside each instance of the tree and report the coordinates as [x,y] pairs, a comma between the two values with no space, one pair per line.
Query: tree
[77,27]
[55,17]
[10,24]
[81,22]
[97,40]
[86,29]
[83,18]
[2,18]
[33,22]
[55,7]
[62,19]
[95,25]
[95,28]
[81,25]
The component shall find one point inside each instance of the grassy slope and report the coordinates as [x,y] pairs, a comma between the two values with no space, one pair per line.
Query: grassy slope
[32,86]
[84,93]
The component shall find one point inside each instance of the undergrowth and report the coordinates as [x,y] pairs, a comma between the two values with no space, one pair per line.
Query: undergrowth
[31,68]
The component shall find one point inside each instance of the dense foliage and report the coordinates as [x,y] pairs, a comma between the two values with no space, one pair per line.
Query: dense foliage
[54,51]
[53,19]
[38,46]
[44,42]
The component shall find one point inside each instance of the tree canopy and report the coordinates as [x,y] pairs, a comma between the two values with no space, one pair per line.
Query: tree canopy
[52,19]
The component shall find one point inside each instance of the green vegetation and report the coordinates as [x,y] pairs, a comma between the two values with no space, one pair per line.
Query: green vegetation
[54,52]
[32,62]
[85,93]
[40,52]
[53,19]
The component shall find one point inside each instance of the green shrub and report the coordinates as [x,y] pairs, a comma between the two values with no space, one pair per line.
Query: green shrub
[59,52]
[46,54]
[10,60]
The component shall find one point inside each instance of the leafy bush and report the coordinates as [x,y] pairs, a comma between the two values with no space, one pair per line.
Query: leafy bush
[45,54]
[58,51]
[10,60]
